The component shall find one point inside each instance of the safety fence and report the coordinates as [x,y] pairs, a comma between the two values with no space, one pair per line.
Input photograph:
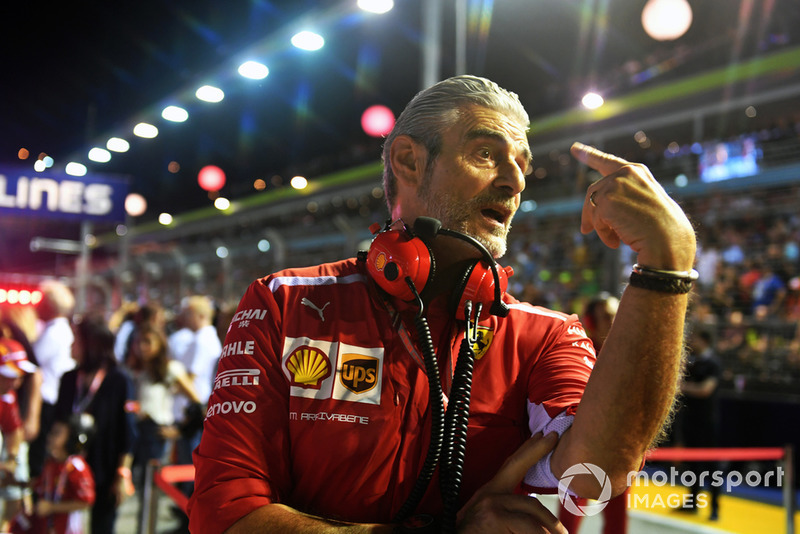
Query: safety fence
[783,456]
[166,477]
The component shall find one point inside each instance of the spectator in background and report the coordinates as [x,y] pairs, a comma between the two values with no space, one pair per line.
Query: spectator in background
[222,319]
[149,316]
[157,378]
[721,297]
[739,295]
[792,303]
[19,323]
[733,254]
[203,351]
[122,324]
[99,387]
[53,350]
[769,291]
[200,359]
[66,488]
[181,335]
[698,418]
[597,317]
[708,260]
[178,343]
[14,470]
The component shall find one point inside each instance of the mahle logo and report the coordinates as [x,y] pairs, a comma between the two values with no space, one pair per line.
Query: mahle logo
[569,502]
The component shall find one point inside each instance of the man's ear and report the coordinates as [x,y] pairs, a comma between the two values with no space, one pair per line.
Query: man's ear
[408,160]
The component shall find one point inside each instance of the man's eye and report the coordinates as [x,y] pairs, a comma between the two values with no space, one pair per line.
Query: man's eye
[485,153]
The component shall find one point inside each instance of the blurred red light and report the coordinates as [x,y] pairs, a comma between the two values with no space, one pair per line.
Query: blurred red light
[211,178]
[377,121]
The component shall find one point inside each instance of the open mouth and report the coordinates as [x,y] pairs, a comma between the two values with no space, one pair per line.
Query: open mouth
[494,215]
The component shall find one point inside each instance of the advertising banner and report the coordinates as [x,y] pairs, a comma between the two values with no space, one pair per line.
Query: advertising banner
[56,195]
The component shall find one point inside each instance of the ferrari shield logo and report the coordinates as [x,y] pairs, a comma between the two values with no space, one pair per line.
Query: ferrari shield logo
[485,336]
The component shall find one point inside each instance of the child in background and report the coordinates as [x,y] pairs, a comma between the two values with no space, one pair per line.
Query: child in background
[14,365]
[65,489]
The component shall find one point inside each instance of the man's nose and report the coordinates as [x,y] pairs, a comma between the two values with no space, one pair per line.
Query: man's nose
[511,177]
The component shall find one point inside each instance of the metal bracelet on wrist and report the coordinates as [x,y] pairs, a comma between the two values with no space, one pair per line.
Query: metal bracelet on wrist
[690,275]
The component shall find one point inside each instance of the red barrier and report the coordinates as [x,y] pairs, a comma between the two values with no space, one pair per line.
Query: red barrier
[168,475]
[783,455]
[177,473]
[676,454]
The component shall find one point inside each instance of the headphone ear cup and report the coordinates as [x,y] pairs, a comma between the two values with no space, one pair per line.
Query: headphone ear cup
[477,285]
[395,256]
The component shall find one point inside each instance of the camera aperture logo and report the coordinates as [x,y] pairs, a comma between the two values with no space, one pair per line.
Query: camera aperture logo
[568,501]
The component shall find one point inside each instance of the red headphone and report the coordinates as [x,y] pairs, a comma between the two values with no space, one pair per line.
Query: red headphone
[394,256]
[398,256]
[477,285]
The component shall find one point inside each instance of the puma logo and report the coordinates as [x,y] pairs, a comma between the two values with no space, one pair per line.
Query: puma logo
[313,306]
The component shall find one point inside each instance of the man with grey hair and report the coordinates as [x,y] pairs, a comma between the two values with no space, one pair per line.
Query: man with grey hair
[53,349]
[328,412]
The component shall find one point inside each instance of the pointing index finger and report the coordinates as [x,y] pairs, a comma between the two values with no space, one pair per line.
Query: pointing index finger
[516,465]
[598,160]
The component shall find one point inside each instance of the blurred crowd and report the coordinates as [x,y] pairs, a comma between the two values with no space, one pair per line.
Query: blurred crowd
[747,297]
[89,401]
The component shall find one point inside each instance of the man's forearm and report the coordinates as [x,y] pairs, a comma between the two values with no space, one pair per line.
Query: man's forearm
[282,518]
[631,390]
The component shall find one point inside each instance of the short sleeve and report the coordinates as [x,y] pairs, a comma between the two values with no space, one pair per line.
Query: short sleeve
[234,476]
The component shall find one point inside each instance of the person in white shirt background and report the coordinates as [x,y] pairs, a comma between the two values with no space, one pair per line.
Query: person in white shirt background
[178,342]
[53,349]
[199,350]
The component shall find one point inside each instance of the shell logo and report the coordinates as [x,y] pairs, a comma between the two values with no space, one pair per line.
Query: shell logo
[380,261]
[309,366]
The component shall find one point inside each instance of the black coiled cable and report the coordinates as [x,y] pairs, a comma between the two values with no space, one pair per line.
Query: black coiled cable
[437,420]
[455,432]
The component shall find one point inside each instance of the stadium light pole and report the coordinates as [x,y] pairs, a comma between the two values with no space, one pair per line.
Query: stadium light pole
[461,37]
[431,42]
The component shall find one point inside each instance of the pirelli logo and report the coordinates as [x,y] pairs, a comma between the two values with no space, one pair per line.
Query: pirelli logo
[236,377]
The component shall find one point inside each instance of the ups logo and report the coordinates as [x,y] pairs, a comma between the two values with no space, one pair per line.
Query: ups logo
[359,372]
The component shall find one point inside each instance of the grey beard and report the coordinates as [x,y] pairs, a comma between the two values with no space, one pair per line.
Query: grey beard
[455,216]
